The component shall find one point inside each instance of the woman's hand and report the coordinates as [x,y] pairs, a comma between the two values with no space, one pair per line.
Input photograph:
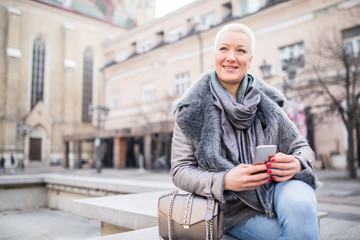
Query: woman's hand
[283,167]
[246,177]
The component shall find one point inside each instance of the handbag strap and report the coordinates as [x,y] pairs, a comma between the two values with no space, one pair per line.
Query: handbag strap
[210,207]
[173,194]
[210,198]
[210,223]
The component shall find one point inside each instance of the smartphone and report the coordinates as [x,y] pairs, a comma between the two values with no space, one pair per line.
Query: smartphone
[263,152]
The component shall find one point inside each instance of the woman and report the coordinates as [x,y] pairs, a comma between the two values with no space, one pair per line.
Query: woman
[220,121]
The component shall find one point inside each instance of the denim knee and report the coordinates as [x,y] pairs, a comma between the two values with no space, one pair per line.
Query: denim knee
[296,206]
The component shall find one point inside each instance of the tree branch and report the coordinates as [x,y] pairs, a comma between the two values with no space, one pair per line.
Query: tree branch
[333,98]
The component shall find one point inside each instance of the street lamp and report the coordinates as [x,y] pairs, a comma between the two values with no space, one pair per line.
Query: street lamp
[290,67]
[265,69]
[23,129]
[101,110]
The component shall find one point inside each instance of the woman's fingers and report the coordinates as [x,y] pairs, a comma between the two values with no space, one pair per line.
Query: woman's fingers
[246,177]
[281,179]
[283,167]
[280,168]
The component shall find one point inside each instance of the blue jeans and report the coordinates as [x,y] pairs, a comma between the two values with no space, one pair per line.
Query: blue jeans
[296,208]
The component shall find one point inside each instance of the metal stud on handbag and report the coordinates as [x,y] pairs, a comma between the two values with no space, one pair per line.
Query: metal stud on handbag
[189,217]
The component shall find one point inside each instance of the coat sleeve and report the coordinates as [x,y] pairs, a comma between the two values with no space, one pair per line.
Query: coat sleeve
[186,173]
[302,151]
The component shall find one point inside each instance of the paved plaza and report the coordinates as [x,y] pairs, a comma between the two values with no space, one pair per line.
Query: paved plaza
[339,196]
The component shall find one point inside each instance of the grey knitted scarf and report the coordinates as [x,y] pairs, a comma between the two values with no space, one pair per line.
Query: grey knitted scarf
[242,130]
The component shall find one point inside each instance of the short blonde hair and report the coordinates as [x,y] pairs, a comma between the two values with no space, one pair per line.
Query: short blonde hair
[236,27]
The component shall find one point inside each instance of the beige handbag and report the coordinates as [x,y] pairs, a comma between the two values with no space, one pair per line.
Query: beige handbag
[192,217]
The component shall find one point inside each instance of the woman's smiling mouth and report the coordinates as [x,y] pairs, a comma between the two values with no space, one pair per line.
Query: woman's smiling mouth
[229,67]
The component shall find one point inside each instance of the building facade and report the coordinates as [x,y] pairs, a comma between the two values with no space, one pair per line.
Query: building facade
[50,61]
[83,80]
[150,66]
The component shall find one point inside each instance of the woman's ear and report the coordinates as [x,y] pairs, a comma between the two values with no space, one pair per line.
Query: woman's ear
[250,61]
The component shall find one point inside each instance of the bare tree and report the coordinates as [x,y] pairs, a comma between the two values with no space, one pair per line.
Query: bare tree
[336,71]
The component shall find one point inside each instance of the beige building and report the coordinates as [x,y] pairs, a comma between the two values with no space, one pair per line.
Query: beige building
[59,57]
[50,61]
[150,66]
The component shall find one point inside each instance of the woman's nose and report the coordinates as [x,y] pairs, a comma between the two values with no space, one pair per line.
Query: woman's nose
[230,56]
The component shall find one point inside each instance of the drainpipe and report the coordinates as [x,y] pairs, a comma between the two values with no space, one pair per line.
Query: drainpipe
[201,59]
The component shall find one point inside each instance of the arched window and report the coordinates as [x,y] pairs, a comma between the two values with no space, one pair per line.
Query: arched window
[87,84]
[38,70]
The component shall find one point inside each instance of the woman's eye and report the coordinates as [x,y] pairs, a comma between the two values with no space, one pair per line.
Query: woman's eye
[241,50]
[223,49]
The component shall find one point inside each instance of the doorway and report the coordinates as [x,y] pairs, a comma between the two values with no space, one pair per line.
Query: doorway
[35,149]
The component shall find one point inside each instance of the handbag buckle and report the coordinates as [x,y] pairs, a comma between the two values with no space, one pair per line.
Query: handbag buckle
[186,226]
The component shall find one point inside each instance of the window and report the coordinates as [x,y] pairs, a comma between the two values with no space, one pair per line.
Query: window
[175,34]
[227,7]
[352,41]
[145,45]
[87,84]
[133,49]
[249,6]
[115,99]
[352,46]
[208,21]
[159,41]
[181,82]
[38,70]
[149,92]
[295,51]
[121,55]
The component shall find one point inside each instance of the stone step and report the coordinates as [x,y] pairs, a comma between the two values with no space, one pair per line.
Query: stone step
[150,233]
[136,212]
[131,211]
[153,233]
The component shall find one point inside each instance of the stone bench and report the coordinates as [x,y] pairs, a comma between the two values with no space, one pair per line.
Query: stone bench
[120,213]
[153,234]
[130,216]
[150,233]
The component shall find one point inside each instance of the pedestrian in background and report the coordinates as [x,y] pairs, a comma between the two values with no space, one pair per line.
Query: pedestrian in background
[220,121]
[12,159]
[2,163]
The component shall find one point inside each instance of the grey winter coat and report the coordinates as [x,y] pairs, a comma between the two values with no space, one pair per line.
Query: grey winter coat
[197,139]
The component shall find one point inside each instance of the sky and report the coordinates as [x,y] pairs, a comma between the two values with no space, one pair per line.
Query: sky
[164,7]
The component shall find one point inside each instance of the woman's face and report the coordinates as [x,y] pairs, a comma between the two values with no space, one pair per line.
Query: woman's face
[232,58]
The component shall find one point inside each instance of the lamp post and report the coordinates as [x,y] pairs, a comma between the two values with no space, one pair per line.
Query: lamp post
[101,111]
[290,66]
[265,69]
[23,129]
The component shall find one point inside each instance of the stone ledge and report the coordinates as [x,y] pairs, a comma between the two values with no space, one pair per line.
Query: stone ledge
[23,180]
[153,234]
[132,211]
[114,185]
[150,233]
